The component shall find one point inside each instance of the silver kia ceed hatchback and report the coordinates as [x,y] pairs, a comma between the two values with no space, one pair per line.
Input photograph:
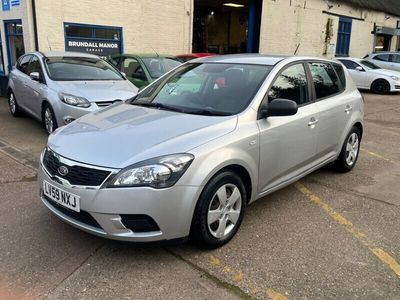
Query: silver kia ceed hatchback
[59,87]
[187,155]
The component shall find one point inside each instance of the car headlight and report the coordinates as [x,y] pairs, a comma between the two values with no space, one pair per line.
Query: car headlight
[160,172]
[74,100]
[395,78]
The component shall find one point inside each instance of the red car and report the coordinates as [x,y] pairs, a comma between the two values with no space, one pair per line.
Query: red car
[187,57]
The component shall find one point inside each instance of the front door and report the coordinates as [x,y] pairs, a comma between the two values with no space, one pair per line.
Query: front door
[34,88]
[288,144]
[134,71]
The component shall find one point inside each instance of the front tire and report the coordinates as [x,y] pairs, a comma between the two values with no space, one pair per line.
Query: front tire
[219,211]
[14,107]
[380,86]
[349,153]
[48,119]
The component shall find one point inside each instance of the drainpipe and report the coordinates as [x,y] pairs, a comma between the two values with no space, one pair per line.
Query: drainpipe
[35,33]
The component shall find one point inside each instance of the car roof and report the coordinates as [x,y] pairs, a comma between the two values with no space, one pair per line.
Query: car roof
[384,52]
[67,54]
[256,59]
[144,55]
[350,58]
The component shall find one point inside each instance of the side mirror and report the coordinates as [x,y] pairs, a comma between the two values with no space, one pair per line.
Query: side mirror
[35,76]
[359,69]
[279,108]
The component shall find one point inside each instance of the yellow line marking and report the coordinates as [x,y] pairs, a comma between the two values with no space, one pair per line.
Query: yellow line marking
[238,276]
[361,236]
[275,295]
[214,260]
[381,157]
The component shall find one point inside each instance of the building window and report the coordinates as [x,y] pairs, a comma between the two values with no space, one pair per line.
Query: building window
[343,37]
[382,42]
[15,41]
[99,40]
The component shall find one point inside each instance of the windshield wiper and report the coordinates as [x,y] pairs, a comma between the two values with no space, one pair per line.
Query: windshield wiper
[158,106]
[207,112]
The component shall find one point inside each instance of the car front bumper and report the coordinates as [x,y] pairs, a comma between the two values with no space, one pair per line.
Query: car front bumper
[171,209]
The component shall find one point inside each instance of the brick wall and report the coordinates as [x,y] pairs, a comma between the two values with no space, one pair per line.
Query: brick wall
[165,26]
[290,24]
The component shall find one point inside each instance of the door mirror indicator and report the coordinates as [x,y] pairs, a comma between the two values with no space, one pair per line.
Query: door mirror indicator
[35,76]
[279,108]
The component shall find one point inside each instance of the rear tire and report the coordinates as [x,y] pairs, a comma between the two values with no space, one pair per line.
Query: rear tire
[14,107]
[349,153]
[48,119]
[219,211]
[380,86]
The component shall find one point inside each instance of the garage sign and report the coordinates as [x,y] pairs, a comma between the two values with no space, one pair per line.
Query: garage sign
[101,48]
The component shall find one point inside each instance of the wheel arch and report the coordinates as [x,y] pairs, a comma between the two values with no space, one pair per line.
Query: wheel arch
[360,127]
[379,79]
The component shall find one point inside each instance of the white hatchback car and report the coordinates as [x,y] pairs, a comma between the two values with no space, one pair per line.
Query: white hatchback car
[367,75]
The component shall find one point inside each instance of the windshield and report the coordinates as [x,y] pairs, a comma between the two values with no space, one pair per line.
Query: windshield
[369,64]
[80,68]
[158,66]
[206,88]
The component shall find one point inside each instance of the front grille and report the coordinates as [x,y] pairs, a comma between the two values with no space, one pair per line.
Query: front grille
[139,223]
[82,216]
[77,175]
[107,103]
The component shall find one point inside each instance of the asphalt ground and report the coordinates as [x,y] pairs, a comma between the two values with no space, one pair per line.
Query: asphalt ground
[328,236]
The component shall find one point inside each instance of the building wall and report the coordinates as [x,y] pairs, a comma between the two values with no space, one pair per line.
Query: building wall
[288,25]
[165,26]
[24,13]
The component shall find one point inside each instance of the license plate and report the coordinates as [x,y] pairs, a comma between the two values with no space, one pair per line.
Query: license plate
[62,197]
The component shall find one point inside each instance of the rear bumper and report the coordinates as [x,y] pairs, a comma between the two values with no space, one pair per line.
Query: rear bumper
[103,210]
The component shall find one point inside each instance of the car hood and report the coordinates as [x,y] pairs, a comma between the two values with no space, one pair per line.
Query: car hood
[98,91]
[123,134]
[386,72]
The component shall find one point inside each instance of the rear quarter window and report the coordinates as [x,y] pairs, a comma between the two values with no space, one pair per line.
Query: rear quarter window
[342,77]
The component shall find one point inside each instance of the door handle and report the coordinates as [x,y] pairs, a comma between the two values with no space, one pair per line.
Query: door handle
[348,109]
[313,122]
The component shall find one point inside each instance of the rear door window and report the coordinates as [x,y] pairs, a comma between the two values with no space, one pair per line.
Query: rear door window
[382,57]
[351,65]
[23,63]
[325,80]
[291,84]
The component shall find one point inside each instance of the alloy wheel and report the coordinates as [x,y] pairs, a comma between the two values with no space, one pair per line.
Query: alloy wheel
[12,103]
[224,210]
[352,149]
[48,120]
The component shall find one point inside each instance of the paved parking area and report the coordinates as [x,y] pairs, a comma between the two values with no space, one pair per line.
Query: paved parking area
[329,236]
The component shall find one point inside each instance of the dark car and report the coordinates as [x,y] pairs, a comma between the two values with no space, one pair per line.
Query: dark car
[141,69]
[190,56]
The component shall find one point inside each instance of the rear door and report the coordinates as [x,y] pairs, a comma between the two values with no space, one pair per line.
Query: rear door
[395,61]
[288,144]
[359,76]
[383,61]
[333,106]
